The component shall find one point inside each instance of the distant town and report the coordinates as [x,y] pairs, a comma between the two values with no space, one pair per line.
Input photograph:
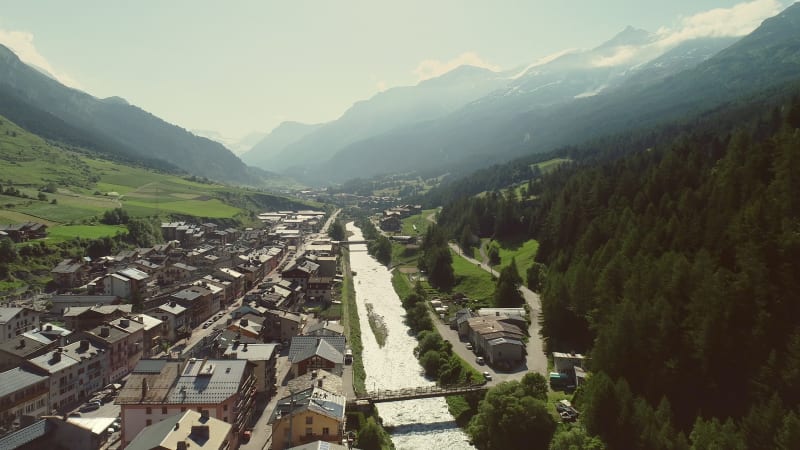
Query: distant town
[200,342]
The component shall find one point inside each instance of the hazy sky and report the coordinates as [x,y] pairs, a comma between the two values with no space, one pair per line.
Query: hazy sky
[242,66]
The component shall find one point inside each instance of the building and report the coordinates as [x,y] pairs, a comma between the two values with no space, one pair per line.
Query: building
[320,289]
[23,392]
[118,345]
[308,353]
[264,359]
[249,326]
[81,318]
[189,430]
[62,302]
[500,342]
[15,352]
[175,320]
[70,273]
[176,273]
[281,325]
[127,283]
[325,328]
[62,371]
[153,330]
[197,300]
[15,321]
[56,433]
[94,366]
[237,280]
[565,362]
[300,273]
[159,388]
[313,414]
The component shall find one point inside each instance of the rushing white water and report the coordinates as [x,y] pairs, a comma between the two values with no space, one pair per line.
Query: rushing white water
[417,424]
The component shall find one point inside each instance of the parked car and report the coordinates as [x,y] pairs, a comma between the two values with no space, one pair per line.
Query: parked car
[487,376]
[89,407]
[469,346]
[480,360]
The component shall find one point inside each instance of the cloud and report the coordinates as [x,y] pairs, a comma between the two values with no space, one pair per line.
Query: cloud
[737,20]
[432,68]
[543,60]
[21,43]
[381,85]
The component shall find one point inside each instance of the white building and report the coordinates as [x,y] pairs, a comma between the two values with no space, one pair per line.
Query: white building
[15,321]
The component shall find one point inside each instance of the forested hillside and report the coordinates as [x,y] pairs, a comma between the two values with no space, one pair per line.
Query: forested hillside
[675,267]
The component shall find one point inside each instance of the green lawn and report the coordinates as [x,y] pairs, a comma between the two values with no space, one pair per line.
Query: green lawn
[523,252]
[473,281]
[550,164]
[418,220]
[65,232]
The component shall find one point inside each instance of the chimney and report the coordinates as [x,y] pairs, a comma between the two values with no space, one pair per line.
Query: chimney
[244,322]
[204,414]
[319,382]
[84,345]
[177,425]
[22,343]
[245,347]
[200,431]
[313,374]
[124,323]
[144,388]
[56,356]
[172,304]
[105,331]
[48,327]
[182,445]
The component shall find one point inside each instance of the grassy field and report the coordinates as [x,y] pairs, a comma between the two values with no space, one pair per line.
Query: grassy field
[352,326]
[473,281]
[522,252]
[550,164]
[419,221]
[65,232]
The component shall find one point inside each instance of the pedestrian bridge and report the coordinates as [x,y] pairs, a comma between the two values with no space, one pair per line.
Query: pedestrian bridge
[364,241]
[385,396]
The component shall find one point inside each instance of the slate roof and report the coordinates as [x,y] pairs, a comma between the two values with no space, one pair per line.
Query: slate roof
[47,362]
[17,379]
[13,346]
[252,352]
[149,366]
[330,348]
[36,430]
[176,309]
[7,314]
[325,328]
[502,340]
[151,437]
[194,387]
[313,399]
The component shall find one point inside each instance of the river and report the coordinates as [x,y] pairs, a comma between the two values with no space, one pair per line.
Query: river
[418,424]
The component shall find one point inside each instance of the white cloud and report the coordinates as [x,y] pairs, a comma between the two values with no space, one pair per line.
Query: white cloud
[381,85]
[737,20]
[543,60]
[21,43]
[431,68]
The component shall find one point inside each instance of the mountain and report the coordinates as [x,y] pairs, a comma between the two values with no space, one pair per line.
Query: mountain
[387,110]
[111,126]
[266,151]
[488,131]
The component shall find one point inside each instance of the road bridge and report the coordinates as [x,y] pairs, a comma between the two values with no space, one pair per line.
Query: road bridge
[385,396]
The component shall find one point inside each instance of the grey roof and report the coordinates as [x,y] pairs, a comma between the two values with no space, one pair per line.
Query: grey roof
[177,309]
[114,334]
[313,399]
[330,348]
[91,299]
[252,352]
[48,363]
[30,347]
[195,387]
[191,293]
[26,435]
[149,366]
[152,436]
[134,274]
[37,336]
[16,379]
[319,445]
[7,314]
[325,328]
[502,340]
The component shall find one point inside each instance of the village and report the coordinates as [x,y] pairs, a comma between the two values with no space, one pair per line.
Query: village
[210,340]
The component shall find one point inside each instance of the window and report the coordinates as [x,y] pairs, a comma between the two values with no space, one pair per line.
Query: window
[325,431]
[224,407]
[163,410]
[183,409]
[148,422]
[225,418]
[308,431]
[149,411]
[309,420]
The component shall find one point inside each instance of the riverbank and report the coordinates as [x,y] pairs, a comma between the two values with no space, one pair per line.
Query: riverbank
[414,424]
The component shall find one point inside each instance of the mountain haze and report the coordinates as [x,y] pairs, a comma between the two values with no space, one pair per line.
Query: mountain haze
[111,126]
[489,130]
[266,153]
